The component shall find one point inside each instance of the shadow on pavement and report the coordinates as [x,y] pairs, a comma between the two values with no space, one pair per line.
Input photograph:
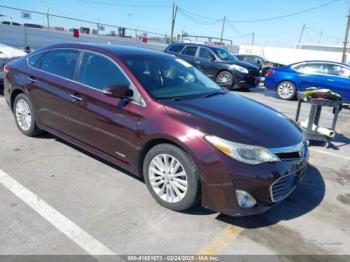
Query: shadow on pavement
[307,196]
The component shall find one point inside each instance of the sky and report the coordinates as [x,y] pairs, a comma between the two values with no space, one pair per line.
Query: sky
[201,17]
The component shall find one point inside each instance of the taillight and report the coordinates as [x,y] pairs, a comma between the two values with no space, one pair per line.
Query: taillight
[7,69]
[270,72]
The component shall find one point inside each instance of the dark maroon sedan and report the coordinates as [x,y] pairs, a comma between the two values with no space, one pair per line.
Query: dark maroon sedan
[161,119]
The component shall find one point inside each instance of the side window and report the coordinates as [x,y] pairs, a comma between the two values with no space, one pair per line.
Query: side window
[337,70]
[190,51]
[310,68]
[99,72]
[60,62]
[175,48]
[205,53]
[35,60]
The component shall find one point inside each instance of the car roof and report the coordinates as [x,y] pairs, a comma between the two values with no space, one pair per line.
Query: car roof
[118,50]
[319,61]
[196,44]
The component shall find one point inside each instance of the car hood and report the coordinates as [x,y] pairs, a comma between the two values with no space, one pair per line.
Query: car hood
[241,63]
[237,119]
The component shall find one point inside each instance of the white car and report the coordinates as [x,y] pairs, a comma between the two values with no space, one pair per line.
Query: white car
[8,53]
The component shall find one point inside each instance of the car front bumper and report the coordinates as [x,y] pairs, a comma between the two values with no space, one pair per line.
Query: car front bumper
[246,82]
[220,183]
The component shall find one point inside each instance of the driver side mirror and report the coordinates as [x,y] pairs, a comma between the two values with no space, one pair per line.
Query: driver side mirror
[121,91]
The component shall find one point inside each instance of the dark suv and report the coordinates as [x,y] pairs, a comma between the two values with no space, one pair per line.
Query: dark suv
[218,64]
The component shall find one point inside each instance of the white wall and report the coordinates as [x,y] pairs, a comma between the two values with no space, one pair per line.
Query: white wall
[20,36]
[290,55]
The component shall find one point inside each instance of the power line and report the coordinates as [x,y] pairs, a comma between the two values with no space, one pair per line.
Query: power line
[122,5]
[201,16]
[236,30]
[287,15]
[196,20]
[269,18]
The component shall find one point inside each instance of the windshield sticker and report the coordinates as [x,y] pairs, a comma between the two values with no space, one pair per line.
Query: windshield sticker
[183,62]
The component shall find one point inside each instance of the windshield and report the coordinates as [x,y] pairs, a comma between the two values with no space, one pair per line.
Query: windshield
[167,78]
[223,54]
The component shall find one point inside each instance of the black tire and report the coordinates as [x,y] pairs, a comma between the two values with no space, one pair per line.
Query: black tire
[225,75]
[32,129]
[286,90]
[192,195]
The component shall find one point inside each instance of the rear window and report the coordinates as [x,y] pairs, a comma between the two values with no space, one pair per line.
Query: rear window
[35,60]
[175,48]
[190,51]
[60,62]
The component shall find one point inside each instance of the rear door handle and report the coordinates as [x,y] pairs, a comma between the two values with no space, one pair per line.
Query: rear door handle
[76,97]
[32,79]
[330,80]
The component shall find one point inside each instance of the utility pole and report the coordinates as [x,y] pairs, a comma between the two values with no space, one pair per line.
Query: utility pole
[173,19]
[253,38]
[48,19]
[301,34]
[222,29]
[319,40]
[346,39]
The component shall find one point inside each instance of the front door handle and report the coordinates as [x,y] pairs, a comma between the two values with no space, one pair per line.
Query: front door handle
[32,79]
[76,97]
[330,80]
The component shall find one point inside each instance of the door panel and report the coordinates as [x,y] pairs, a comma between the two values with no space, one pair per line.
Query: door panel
[105,123]
[49,87]
[204,62]
[189,54]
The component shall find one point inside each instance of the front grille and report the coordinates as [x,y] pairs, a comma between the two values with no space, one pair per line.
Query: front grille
[285,185]
[288,155]
[254,73]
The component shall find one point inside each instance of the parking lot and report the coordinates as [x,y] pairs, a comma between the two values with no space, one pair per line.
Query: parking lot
[58,199]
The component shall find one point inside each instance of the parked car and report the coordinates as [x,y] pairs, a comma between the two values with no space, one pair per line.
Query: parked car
[8,53]
[163,120]
[218,64]
[287,80]
[10,23]
[260,62]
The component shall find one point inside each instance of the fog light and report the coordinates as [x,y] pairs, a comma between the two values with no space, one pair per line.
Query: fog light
[244,199]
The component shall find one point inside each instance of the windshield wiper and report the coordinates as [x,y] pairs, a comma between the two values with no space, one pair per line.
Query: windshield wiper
[213,94]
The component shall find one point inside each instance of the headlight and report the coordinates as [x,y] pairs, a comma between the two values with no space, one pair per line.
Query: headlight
[240,69]
[244,153]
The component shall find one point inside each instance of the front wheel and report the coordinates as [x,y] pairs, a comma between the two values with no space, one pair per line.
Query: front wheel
[286,90]
[225,79]
[171,177]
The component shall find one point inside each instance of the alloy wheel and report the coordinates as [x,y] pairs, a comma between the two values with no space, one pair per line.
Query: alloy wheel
[168,178]
[224,78]
[286,90]
[23,115]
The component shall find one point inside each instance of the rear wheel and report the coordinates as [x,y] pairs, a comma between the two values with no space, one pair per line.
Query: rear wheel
[225,79]
[171,177]
[24,116]
[286,90]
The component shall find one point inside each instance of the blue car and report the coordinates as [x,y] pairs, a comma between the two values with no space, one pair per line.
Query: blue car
[287,80]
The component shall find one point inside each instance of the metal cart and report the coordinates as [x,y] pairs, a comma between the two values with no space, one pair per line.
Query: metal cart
[315,115]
